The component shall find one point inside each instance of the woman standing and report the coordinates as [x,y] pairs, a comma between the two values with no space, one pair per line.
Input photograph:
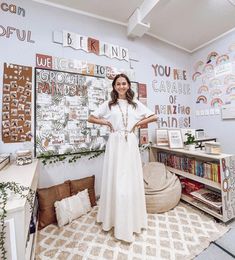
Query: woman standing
[122,200]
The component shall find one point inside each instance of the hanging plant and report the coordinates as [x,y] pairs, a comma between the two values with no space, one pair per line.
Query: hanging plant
[5,188]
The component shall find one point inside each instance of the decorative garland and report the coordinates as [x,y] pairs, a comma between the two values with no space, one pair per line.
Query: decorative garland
[49,158]
[18,189]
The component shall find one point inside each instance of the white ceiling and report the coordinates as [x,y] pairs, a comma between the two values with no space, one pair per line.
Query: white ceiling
[187,24]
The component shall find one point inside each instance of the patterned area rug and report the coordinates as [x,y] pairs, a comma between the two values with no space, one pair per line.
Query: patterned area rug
[179,234]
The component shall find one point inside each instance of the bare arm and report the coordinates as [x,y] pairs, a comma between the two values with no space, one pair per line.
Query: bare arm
[145,121]
[100,121]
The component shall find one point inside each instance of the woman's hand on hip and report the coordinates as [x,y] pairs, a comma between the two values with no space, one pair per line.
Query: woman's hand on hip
[137,125]
[105,122]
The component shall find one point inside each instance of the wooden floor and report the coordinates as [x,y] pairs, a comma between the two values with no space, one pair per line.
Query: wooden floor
[221,249]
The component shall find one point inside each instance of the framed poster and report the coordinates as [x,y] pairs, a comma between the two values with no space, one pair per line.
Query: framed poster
[175,138]
[162,137]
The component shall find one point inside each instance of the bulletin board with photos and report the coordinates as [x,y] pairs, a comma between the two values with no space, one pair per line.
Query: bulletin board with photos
[16,103]
[63,102]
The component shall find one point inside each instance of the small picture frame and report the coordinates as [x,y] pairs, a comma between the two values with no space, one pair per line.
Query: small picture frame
[199,134]
[175,138]
[188,131]
[162,137]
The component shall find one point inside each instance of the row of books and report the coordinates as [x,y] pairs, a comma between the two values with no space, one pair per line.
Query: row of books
[208,170]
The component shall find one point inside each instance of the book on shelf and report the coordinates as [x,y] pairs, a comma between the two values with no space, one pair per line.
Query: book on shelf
[189,186]
[209,197]
[4,159]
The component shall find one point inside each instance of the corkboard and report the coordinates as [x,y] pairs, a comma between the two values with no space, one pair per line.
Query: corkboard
[16,103]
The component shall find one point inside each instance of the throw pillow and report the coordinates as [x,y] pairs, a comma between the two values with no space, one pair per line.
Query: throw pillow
[72,207]
[85,183]
[46,199]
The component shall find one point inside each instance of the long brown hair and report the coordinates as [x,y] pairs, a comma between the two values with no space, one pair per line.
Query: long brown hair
[129,94]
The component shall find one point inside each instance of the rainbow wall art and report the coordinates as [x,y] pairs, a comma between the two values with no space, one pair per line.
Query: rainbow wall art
[198,65]
[201,99]
[202,89]
[216,102]
[208,68]
[229,79]
[212,55]
[215,92]
[222,59]
[196,75]
[230,89]
[231,47]
[215,83]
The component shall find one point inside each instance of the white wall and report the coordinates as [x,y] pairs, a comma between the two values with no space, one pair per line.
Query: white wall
[213,125]
[42,20]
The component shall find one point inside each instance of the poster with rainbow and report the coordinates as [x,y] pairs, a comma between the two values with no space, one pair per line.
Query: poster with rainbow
[214,79]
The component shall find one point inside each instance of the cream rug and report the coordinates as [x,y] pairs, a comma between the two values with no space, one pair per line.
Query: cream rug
[181,233]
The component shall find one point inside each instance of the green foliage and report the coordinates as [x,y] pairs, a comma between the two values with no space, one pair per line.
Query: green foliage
[50,158]
[190,139]
[5,188]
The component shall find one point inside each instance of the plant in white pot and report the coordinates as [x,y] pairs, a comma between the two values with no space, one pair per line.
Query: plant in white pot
[190,142]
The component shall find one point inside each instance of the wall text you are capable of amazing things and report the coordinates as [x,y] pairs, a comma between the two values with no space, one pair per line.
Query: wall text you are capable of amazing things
[172,82]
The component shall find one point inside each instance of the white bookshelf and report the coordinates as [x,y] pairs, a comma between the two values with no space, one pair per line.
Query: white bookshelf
[18,210]
[226,186]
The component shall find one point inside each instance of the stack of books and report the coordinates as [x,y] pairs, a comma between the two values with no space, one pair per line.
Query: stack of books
[23,157]
[4,159]
[210,198]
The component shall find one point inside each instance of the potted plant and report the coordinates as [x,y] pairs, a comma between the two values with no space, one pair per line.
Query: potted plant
[190,142]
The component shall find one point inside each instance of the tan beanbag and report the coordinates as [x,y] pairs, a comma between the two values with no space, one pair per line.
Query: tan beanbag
[162,188]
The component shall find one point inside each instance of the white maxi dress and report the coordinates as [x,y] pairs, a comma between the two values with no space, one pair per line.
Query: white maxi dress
[122,200]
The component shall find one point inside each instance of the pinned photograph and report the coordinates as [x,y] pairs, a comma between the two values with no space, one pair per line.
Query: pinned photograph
[14,103]
[14,85]
[6,98]
[5,106]
[6,132]
[14,112]
[14,122]
[5,115]
[6,87]
[22,98]
[20,89]
[6,124]
[21,117]
[13,94]
[21,107]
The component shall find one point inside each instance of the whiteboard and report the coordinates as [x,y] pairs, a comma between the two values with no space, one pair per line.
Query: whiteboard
[228,112]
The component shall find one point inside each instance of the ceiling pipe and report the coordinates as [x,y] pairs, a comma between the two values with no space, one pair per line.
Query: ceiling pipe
[136,26]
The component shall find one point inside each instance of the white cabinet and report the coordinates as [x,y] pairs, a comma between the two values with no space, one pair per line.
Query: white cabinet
[222,180]
[18,210]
